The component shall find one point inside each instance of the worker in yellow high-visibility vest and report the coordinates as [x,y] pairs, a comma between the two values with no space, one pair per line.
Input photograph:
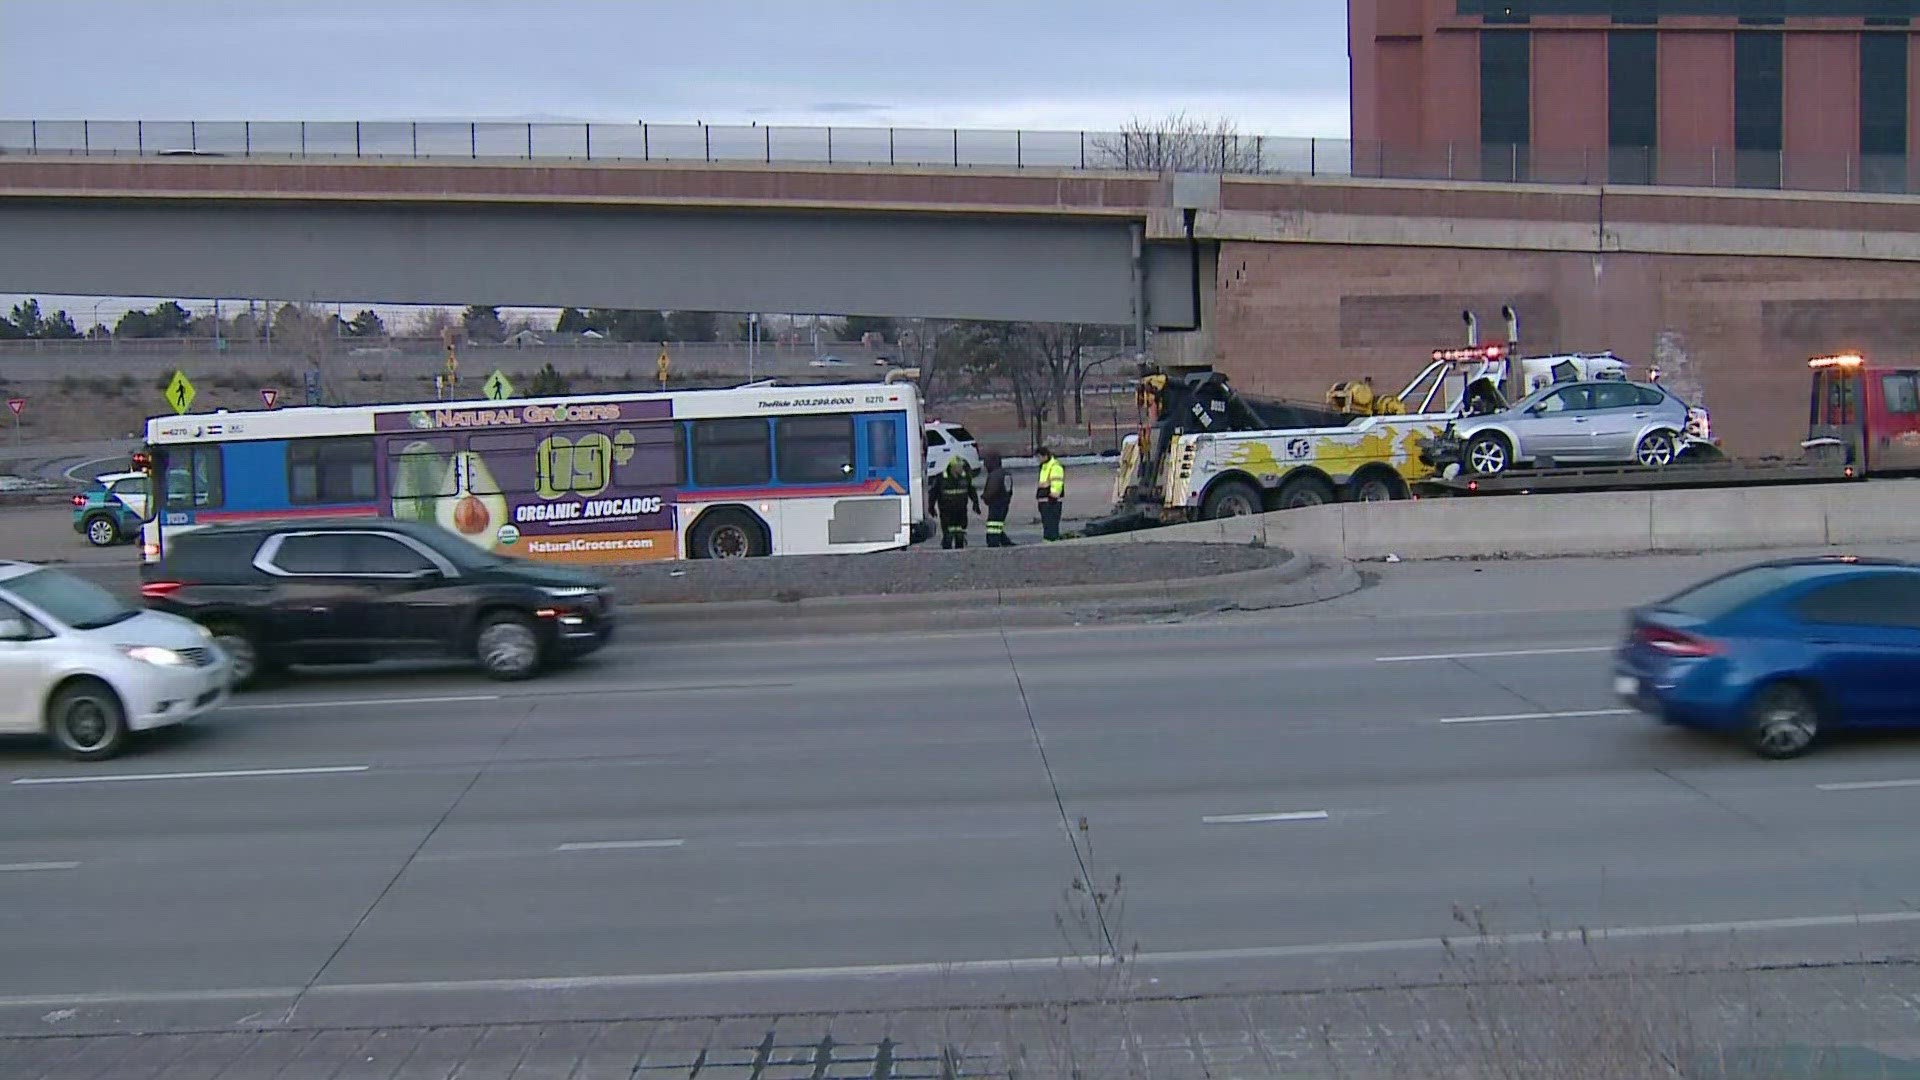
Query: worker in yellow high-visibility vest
[1051,494]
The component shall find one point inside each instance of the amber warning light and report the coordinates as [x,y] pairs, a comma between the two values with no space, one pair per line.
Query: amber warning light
[1476,352]
[1840,360]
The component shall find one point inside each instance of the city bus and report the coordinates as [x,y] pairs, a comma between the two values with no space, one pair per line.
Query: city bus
[599,479]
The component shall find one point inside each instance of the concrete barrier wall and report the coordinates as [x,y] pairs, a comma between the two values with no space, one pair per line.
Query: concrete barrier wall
[1601,523]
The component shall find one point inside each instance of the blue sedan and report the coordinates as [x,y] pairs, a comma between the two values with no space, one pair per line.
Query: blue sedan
[1781,652]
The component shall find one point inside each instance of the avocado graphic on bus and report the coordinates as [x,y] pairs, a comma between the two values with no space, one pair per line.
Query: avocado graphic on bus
[418,481]
[475,516]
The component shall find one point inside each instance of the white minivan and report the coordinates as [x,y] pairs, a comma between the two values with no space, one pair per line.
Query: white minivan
[87,669]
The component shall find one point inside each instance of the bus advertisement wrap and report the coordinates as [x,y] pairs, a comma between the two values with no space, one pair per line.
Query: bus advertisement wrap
[573,484]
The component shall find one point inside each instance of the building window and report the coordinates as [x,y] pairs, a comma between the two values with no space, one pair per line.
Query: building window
[1883,112]
[1633,114]
[1749,12]
[1505,103]
[321,472]
[1756,108]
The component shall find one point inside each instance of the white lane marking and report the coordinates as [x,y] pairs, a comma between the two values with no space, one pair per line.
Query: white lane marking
[362,703]
[27,867]
[1867,785]
[1568,651]
[114,778]
[1505,717]
[1016,965]
[618,845]
[91,468]
[1249,819]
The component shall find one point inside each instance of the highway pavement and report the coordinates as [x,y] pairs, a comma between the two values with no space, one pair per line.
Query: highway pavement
[732,824]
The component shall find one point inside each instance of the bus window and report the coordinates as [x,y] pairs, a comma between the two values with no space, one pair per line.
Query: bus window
[731,453]
[324,471]
[420,472]
[503,464]
[194,478]
[882,450]
[650,455]
[814,449]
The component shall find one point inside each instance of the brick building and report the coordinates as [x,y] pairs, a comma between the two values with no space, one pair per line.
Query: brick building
[1811,94]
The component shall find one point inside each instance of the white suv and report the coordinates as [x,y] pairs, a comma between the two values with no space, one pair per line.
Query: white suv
[86,669]
[945,440]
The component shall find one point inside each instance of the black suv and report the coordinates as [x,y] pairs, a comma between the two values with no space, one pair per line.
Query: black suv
[352,591]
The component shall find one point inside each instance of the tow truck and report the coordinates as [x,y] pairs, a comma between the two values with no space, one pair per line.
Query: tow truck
[1863,421]
[1202,451]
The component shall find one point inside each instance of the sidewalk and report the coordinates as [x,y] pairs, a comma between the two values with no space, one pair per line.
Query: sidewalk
[1843,1021]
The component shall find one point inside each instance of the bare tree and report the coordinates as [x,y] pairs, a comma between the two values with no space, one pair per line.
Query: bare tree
[310,333]
[1179,143]
[428,322]
[947,353]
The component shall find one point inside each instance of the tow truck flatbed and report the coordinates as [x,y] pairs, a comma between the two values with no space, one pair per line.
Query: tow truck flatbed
[1680,474]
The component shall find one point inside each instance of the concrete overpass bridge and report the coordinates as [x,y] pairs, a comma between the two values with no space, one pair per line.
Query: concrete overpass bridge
[1290,281]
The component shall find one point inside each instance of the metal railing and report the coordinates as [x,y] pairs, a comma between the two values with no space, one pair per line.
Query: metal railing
[483,140]
[959,148]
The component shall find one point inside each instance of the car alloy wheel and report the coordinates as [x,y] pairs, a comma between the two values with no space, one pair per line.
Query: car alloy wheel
[1657,448]
[1785,722]
[1487,456]
[101,532]
[243,657]
[509,649]
[86,720]
[84,724]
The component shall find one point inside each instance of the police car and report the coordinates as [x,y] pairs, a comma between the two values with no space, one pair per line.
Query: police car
[945,441]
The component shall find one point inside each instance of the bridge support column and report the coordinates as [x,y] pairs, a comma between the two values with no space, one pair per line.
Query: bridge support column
[1182,269]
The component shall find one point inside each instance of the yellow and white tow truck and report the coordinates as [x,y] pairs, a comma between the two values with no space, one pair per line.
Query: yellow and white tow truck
[1203,452]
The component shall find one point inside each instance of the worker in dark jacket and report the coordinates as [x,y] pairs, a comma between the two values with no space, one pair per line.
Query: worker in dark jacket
[999,495]
[950,493]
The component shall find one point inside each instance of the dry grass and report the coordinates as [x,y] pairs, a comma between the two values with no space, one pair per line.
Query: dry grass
[1549,1004]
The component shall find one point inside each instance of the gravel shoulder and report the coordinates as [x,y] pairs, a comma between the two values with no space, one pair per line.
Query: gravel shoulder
[920,570]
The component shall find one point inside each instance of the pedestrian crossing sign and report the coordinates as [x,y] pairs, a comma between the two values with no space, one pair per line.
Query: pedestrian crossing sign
[179,393]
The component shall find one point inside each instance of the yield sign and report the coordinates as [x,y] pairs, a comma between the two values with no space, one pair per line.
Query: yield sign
[17,404]
[268,395]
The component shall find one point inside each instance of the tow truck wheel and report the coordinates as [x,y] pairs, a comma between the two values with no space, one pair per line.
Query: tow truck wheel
[1488,454]
[1656,448]
[1232,498]
[1303,491]
[1375,487]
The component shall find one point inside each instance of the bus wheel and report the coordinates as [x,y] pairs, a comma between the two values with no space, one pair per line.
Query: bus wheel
[728,534]
[1231,498]
[1301,491]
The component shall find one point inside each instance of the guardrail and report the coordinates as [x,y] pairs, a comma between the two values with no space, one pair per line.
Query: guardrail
[712,143]
[1127,151]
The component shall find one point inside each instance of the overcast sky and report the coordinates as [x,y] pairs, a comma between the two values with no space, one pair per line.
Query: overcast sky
[1274,67]
[1277,67]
